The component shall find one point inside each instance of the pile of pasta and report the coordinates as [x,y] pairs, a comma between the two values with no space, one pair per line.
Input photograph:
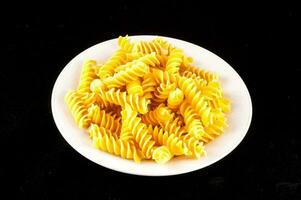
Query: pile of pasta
[149,101]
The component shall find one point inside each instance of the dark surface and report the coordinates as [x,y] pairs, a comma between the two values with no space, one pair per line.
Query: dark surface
[260,44]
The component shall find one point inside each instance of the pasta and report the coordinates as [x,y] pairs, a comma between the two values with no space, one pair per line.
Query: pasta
[175,98]
[104,140]
[149,101]
[107,69]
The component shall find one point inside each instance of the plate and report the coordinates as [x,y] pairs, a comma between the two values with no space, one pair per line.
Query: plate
[233,85]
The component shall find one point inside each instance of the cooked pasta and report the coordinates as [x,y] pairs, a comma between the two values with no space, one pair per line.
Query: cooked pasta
[107,69]
[175,144]
[174,61]
[88,74]
[175,98]
[78,109]
[134,87]
[157,116]
[104,140]
[128,75]
[148,101]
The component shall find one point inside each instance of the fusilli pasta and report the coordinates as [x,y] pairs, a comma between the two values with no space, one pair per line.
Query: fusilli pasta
[149,101]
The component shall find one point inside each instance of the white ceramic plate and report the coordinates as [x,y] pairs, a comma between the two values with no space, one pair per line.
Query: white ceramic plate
[233,85]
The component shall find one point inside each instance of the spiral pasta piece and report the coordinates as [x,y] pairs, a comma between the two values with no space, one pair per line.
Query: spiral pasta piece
[104,140]
[107,69]
[195,146]
[172,126]
[87,76]
[166,45]
[196,99]
[162,155]
[192,121]
[139,104]
[134,87]
[175,144]
[148,85]
[215,129]
[148,59]
[208,76]
[157,116]
[161,76]
[213,90]
[103,119]
[140,132]
[125,44]
[149,47]
[162,92]
[78,109]
[174,61]
[175,98]
[200,82]
[123,77]
[133,56]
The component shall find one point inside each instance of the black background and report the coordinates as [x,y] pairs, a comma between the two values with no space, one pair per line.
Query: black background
[260,43]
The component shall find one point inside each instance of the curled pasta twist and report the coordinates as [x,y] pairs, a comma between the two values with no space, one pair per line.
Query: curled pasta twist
[161,76]
[103,119]
[140,132]
[133,56]
[162,92]
[213,90]
[157,116]
[104,140]
[208,76]
[174,61]
[149,47]
[175,98]
[148,85]
[196,99]
[200,82]
[196,147]
[123,77]
[187,61]
[107,69]
[87,76]
[175,144]
[149,59]
[166,45]
[125,44]
[172,126]
[215,129]
[162,154]
[162,60]
[192,121]
[139,104]
[78,109]
[134,87]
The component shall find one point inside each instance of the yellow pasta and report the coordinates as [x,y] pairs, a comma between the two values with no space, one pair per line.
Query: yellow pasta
[78,109]
[175,144]
[88,74]
[125,44]
[103,119]
[149,101]
[157,116]
[174,61]
[162,155]
[175,98]
[104,140]
[134,87]
[107,69]
[130,74]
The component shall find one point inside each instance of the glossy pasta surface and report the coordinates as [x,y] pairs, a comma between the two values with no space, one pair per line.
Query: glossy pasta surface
[149,101]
